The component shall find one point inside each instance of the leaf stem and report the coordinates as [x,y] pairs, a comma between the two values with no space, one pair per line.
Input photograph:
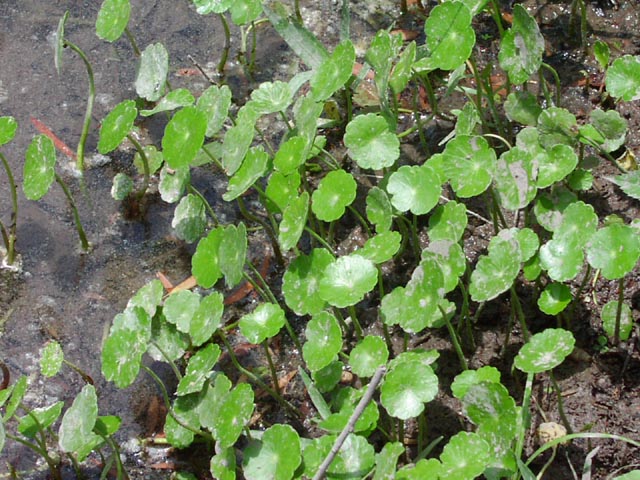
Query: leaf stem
[563,416]
[89,109]
[76,216]
[515,300]
[145,166]
[616,330]
[272,368]
[227,44]
[454,339]
[9,236]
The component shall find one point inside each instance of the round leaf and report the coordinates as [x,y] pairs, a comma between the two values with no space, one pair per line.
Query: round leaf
[189,218]
[545,350]
[368,355]
[324,341]
[198,370]
[466,379]
[214,103]
[514,179]
[112,19]
[245,11]
[559,162]
[370,142]
[233,413]
[264,322]
[614,250]
[51,359]
[122,186]
[76,427]
[381,247]
[232,253]
[450,37]
[346,281]
[465,456]
[290,155]
[152,74]
[39,166]
[252,168]
[205,265]
[333,72]
[379,210]
[406,389]
[173,183]
[293,221]
[623,78]
[180,307]
[448,222]
[554,298]
[8,127]
[414,188]
[180,97]
[469,162]
[522,47]
[271,97]
[184,136]
[562,258]
[495,273]
[275,456]
[335,192]
[301,281]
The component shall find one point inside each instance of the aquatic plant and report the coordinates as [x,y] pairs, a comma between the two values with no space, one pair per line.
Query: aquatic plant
[8,127]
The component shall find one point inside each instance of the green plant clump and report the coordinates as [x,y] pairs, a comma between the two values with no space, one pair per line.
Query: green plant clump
[519,152]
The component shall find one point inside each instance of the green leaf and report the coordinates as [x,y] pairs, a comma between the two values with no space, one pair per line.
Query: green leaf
[44,418]
[123,349]
[205,263]
[562,258]
[615,250]
[557,126]
[406,388]
[223,464]
[602,53]
[232,253]
[180,97]
[379,209]
[290,155]
[448,222]
[629,183]
[148,297]
[549,207]
[370,142]
[173,183]
[17,394]
[522,47]
[609,314]
[252,168]
[185,408]
[245,11]
[333,72]
[293,221]
[8,127]
[623,78]
[387,460]
[465,456]
[578,223]
[345,403]
[559,162]
[381,247]
[522,107]
[276,456]
[468,378]
[414,188]
[60,42]
[214,102]
[514,180]
[554,298]
[347,280]
[169,344]
[204,7]
[450,259]
[402,72]
[76,427]
[263,323]
[485,401]
[198,370]
[122,186]
[51,359]
[368,355]
[271,97]
[39,164]
[112,19]
[324,341]
[545,350]
[495,272]
[469,162]
[335,192]
[610,129]
[189,218]
[424,468]
[155,159]
[184,136]
[237,140]
[450,37]
[281,189]
[301,281]
[152,74]
[206,319]
[180,307]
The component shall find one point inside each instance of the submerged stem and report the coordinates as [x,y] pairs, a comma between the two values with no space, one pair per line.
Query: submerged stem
[76,216]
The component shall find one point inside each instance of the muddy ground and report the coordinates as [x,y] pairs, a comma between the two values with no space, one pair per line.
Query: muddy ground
[73,298]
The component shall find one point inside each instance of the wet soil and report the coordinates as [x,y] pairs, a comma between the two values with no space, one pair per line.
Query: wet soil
[72,298]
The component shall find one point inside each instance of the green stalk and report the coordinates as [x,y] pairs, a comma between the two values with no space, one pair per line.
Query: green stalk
[132,41]
[563,417]
[356,323]
[556,78]
[9,237]
[515,300]
[227,44]
[616,330]
[145,166]
[272,368]
[53,467]
[207,206]
[88,111]
[495,13]
[526,419]
[345,21]
[76,216]
[454,339]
